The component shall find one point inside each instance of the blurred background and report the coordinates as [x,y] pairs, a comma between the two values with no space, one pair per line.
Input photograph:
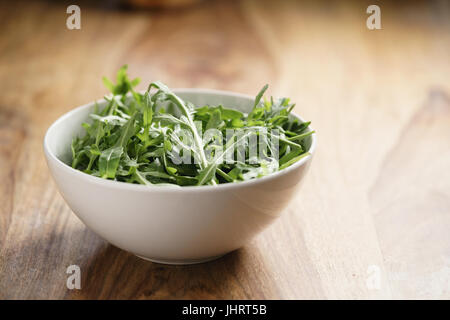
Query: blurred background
[378,190]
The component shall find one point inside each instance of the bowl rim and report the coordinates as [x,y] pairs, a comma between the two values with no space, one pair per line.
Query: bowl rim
[175,188]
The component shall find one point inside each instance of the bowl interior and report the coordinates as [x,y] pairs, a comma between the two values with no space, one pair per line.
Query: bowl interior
[59,136]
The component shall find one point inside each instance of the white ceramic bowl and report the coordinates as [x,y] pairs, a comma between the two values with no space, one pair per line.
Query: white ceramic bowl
[174,225]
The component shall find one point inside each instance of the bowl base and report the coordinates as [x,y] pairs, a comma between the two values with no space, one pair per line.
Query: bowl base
[181,261]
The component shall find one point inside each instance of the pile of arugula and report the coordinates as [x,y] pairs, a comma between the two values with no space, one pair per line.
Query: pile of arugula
[139,138]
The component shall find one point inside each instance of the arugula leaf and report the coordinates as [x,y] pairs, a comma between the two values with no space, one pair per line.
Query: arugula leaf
[109,162]
[123,84]
[127,131]
[259,95]
[230,114]
[215,120]
[293,160]
[207,174]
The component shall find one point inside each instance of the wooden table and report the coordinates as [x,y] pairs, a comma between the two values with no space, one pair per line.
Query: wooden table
[375,204]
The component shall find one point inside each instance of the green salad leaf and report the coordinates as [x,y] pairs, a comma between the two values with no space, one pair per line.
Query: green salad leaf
[157,138]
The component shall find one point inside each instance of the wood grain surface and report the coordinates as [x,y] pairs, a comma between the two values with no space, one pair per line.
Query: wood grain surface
[377,197]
